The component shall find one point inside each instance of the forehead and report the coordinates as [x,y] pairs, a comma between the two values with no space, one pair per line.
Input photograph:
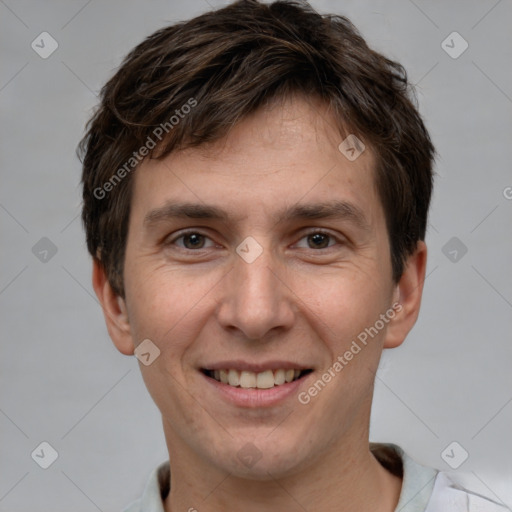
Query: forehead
[284,154]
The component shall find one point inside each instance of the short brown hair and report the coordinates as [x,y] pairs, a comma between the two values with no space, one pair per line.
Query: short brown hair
[224,65]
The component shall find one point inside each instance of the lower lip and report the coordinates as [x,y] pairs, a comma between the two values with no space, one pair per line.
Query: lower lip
[254,397]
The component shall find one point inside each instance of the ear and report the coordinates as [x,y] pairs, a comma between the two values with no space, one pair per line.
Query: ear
[114,310]
[408,292]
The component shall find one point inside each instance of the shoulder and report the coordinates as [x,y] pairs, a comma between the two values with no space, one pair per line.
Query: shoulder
[155,491]
[449,496]
[426,489]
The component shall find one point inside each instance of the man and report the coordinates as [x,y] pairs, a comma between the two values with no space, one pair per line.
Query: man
[256,190]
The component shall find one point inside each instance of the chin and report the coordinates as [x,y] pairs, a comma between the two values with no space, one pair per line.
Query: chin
[262,459]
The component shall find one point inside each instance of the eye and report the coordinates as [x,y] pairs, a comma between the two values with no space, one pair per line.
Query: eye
[318,240]
[192,240]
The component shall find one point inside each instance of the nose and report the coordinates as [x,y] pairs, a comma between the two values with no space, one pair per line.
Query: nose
[256,301]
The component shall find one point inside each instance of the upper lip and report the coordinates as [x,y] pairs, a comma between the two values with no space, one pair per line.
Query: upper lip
[240,365]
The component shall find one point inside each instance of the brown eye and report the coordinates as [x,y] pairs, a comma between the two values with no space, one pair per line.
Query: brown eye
[193,241]
[318,241]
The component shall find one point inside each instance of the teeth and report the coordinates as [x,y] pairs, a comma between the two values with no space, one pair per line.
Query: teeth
[247,379]
[265,380]
[262,380]
[233,378]
[279,377]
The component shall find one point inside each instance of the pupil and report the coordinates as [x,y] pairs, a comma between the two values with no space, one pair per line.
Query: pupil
[194,240]
[319,240]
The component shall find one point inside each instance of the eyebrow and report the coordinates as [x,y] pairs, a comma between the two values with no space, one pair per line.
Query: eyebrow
[341,210]
[183,211]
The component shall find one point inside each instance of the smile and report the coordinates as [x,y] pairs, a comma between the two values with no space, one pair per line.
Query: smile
[261,380]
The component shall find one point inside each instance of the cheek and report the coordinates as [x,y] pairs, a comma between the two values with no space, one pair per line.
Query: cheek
[344,312]
[166,305]
[346,300]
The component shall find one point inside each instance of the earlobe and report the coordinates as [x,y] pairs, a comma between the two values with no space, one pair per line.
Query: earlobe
[408,293]
[114,310]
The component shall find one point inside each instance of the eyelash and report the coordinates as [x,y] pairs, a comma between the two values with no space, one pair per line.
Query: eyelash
[195,232]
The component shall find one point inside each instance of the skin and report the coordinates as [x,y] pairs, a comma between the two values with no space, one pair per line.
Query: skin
[295,302]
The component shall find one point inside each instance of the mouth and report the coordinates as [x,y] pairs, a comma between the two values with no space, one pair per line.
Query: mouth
[265,379]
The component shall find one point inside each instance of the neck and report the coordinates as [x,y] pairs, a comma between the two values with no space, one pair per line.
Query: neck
[347,477]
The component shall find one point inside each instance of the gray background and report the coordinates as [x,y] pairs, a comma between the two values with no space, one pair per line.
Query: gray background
[63,382]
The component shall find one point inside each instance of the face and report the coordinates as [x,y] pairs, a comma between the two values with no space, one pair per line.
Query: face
[258,259]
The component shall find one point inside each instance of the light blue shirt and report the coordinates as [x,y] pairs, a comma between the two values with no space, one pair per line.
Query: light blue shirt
[423,489]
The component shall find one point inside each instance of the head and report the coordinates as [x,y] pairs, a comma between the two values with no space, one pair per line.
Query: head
[228,224]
